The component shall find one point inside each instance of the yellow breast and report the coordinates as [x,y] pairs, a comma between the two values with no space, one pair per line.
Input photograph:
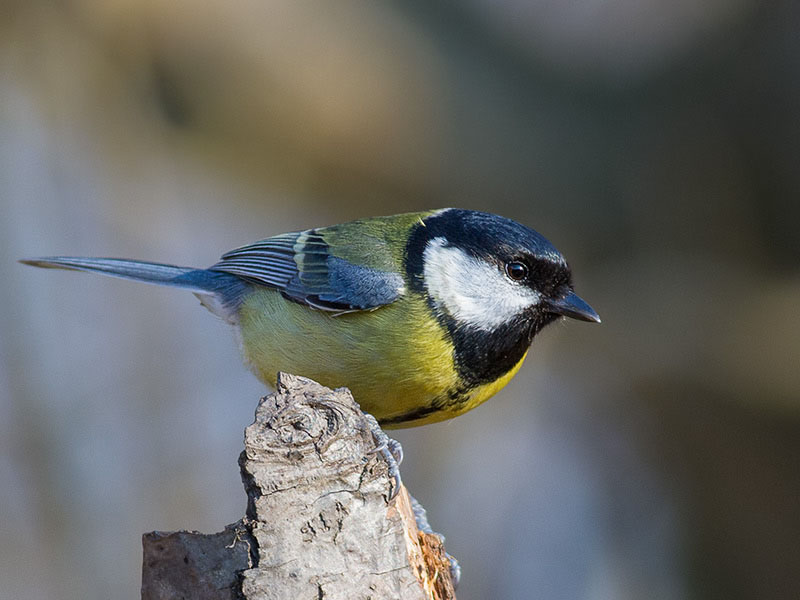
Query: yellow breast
[396,359]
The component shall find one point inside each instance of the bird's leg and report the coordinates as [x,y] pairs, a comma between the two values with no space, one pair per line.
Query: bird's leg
[421,517]
[392,452]
[390,449]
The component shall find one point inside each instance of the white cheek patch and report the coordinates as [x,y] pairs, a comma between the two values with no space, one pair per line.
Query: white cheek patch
[471,290]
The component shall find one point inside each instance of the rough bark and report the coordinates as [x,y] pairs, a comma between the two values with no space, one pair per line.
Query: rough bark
[318,524]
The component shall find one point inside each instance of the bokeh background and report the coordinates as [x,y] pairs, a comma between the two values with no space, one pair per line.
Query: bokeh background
[655,142]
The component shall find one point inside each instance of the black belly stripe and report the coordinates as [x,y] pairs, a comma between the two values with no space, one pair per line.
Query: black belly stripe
[451,401]
[413,415]
[482,357]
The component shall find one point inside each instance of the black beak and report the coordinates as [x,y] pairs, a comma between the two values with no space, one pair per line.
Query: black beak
[574,307]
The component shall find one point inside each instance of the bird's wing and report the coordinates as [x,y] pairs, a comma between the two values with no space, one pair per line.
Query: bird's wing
[306,267]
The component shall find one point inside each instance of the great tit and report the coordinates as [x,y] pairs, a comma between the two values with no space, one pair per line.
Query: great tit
[423,316]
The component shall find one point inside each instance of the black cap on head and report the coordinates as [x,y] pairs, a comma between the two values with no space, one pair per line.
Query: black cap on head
[493,238]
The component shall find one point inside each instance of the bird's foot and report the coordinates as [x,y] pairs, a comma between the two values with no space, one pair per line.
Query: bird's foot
[390,449]
[421,517]
[392,452]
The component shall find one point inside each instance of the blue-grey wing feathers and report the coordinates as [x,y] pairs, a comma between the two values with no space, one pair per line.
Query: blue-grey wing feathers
[300,265]
[304,269]
[269,262]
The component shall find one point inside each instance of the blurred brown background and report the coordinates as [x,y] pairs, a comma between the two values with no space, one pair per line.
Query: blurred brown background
[655,142]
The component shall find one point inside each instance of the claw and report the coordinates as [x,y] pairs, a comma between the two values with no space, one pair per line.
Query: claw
[396,448]
[379,448]
[455,570]
[390,449]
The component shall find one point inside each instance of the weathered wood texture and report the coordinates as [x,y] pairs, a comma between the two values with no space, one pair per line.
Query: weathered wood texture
[318,523]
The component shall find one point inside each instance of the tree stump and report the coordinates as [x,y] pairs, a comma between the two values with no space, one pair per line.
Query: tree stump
[319,522]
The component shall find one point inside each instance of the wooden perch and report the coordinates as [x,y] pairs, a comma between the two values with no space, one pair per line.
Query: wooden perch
[318,523]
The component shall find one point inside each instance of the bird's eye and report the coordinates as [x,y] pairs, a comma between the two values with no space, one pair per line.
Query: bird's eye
[517,270]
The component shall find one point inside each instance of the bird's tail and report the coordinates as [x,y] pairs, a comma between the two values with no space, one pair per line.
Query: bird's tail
[219,292]
[182,277]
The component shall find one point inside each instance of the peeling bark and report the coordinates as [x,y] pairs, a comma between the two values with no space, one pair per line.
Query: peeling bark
[318,524]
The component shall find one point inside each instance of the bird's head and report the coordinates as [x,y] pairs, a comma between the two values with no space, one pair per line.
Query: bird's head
[493,283]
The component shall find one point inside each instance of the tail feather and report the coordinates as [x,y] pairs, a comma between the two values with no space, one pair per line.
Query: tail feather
[228,288]
[219,292]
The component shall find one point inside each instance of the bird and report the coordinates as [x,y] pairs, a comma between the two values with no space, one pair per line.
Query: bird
[422,315]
